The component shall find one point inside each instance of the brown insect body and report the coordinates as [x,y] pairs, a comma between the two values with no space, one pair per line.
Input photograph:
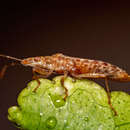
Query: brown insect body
[84,68]
[75,67]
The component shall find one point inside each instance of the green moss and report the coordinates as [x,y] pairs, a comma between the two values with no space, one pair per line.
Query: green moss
[85,108]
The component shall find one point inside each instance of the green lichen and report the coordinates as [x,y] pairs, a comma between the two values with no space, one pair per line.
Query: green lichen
[85,108]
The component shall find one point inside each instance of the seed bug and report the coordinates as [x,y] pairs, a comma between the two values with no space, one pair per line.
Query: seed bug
[72,66]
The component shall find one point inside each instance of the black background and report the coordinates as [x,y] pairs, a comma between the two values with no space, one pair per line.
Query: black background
[95,30]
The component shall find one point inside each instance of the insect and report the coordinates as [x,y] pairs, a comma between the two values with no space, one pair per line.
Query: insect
[72,66]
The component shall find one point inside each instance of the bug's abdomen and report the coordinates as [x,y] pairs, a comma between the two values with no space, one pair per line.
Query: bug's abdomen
[94,66]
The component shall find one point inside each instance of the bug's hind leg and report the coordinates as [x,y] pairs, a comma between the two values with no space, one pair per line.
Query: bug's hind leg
[96,76]
[109,97]
[62,83]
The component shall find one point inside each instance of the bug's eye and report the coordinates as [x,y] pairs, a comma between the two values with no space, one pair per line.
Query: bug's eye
[27,61]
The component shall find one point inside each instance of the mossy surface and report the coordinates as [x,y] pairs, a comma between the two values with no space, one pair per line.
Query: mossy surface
[85,108]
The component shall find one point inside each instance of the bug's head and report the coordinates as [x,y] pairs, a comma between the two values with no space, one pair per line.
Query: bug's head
[32,61]
[43,62]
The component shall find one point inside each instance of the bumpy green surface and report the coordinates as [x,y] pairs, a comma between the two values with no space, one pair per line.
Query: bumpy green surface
[85,108]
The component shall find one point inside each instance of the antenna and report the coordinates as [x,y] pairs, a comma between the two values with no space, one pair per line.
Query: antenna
[10,57]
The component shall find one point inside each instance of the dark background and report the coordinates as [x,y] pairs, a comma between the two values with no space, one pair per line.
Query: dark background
[94,30]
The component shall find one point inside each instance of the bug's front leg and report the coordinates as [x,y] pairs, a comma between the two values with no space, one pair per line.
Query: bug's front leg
[62,83]
[5,67]
[43,74]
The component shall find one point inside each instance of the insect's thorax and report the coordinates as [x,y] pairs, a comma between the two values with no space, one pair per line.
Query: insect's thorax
[59,63]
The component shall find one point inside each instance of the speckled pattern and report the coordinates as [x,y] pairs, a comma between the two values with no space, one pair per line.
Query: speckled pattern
[61,64]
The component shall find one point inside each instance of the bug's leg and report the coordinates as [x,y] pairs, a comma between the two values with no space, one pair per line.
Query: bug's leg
[62,83]
[36,77]
[3,70]
[43,74]
[92,75]
[2,73]
[109,97]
